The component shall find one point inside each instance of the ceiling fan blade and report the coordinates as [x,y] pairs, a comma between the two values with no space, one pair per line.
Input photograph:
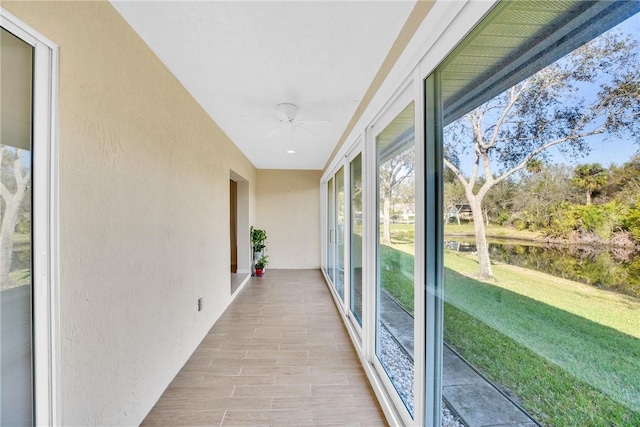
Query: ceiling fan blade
[306,130]
[275,131]
[313,123]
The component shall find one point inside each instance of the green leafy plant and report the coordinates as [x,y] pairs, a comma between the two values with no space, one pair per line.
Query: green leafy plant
[262,262]
[258,239]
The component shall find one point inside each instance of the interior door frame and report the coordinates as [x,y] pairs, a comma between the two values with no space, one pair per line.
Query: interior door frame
[233,224]
[45,221]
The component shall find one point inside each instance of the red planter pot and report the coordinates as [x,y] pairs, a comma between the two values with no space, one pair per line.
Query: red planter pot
[259,272]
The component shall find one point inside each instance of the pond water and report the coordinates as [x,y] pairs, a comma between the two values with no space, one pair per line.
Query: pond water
[616,269]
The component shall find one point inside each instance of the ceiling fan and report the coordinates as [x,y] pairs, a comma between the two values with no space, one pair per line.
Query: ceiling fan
[288,112]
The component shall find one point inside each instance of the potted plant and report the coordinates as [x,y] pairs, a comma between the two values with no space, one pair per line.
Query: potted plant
[258,240]
[260,265]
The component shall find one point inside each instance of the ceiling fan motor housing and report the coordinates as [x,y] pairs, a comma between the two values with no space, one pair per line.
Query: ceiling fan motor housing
[289,110]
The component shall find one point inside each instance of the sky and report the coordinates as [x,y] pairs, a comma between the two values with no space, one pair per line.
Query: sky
[609,152]
[605,152]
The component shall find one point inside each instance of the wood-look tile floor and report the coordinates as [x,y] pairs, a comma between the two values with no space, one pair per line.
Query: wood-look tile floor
[279,356]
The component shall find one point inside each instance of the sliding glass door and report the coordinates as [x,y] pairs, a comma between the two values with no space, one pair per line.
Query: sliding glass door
[339,236]
[331,230]
[336,217]
[537,138]
[16,238]
[395,250]
[355,238]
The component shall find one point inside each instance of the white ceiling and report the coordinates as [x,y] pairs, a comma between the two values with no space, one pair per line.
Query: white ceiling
[239,59]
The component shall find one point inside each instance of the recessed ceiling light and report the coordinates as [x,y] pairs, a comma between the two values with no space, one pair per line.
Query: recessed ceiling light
[291,151]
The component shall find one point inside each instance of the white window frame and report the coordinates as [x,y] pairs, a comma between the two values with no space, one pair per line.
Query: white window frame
[350,156]
[405,95]
[343,300]
[343,303]
[445,26]
[45,275]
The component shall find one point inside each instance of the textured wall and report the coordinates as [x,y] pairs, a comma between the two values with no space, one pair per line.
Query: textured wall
[288,208]
[144,215]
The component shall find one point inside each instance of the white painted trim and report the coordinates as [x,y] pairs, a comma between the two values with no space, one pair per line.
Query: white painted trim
[239,289]
[404,96]
[45,275]
[356,150]
[336,259]
[369,226]
[433,290]
[346,236]
[341,302]
[419,256]
[323,226]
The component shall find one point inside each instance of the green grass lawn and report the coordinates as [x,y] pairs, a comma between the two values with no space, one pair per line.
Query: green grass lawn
[397,264]
[492,231]
[568,352]
[549,393]
[618,311]
[397,275]
[574,327]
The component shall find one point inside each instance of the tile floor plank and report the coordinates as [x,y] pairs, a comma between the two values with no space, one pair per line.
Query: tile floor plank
[279,356]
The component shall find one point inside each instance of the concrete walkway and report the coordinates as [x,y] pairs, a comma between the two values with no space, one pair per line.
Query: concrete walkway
[472,397]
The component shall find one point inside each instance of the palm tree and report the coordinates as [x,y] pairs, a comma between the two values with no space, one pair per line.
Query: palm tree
[590,177]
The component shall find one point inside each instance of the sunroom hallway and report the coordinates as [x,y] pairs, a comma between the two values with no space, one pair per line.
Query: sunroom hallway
[279,355]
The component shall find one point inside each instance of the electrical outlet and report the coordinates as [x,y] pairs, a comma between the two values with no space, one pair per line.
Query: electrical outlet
[199,304]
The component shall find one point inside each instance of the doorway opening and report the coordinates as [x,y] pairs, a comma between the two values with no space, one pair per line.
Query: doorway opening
[239,244]
[233,224]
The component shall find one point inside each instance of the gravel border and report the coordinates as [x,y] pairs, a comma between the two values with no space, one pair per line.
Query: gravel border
[399,367]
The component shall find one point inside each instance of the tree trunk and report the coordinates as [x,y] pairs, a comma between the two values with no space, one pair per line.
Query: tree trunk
[481,239]
[12,201]
[7,230]
[588,197]
[386,218]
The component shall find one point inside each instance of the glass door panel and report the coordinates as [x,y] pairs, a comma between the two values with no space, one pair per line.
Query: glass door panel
[339,235]
[356,238]
[395,253]
[331,221]
[16,349]
[541,153]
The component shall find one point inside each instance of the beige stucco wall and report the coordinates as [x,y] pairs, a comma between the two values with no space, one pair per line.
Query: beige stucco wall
[144,215]
[288,208]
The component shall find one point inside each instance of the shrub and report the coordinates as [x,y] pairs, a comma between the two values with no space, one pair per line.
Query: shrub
[599,220]
[632,221]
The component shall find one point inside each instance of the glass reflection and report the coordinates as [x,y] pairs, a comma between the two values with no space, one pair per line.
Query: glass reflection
[16,401]
[395,251]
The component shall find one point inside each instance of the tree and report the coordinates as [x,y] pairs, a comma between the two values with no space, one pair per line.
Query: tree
[534,166]
[453,198]
[624,181]
[392,173]
[546,110]
[591,177]
[499,201]
[13,188]
[540,195]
